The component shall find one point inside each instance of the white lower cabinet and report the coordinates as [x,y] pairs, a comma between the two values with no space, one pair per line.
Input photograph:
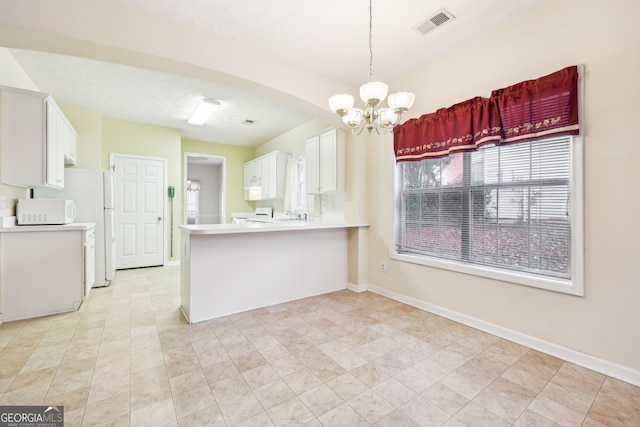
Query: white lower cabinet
[89,241]
[324,162]
[43,270]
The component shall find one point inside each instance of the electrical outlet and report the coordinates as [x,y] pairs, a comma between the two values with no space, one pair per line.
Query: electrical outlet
[3,202]
[383,267]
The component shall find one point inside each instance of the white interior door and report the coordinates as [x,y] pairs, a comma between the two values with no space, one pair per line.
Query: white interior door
[139,211]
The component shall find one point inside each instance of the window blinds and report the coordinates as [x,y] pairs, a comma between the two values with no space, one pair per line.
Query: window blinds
[502,206]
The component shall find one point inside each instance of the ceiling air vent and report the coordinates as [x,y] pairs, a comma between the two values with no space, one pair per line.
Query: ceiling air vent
[439,18]
[248,122]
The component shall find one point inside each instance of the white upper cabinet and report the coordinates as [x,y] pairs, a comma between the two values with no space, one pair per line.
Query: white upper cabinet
[253,180]
[312,164]
[264,177]
[324,156]
[55,146]
[274,167]
[34,139]
[70,137]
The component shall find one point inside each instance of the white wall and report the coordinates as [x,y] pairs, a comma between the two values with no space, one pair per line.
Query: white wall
[603,324]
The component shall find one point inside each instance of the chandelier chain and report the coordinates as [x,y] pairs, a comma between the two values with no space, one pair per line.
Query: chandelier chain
[370,44]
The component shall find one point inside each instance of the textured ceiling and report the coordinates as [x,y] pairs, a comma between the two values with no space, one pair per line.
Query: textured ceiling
[158,98]
[329,36]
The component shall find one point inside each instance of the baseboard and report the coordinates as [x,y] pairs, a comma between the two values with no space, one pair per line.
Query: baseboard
[611,369]
[172,264]
[184,313]
[356,288]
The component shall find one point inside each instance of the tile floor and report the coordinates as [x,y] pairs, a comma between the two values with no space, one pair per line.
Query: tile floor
[342,359]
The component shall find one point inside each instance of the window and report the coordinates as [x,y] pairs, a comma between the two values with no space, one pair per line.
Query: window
[511,212]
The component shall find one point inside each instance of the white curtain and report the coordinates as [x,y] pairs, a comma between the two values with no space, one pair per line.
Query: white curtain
[294,194]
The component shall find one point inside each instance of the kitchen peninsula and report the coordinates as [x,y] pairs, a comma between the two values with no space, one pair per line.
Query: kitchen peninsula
[230,268]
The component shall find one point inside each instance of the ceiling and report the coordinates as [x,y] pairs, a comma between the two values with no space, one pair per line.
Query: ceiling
[329,37]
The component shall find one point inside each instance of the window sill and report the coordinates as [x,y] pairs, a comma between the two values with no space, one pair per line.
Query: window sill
[557,285]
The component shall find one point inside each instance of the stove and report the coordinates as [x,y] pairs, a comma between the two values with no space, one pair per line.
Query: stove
[263,215]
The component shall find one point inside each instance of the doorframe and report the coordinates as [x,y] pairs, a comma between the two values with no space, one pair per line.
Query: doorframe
[223,182]
[165,201]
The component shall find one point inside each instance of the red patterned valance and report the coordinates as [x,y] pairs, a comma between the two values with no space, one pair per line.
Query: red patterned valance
[531,109]
[461,127]
[540,108]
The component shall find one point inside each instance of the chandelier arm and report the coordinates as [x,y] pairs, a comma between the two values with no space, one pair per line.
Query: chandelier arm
[398,118]
[357,129]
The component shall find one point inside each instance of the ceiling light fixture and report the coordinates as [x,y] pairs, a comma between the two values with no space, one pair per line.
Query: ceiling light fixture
[372,94]
[203,111]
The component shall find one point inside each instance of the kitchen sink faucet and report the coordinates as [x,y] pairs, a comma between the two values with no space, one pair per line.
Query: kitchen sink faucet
[301,216]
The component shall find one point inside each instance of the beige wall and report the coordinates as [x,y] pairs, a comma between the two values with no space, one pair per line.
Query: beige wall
[552,35]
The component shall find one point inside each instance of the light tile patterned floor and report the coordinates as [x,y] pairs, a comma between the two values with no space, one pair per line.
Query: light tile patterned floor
[342,359]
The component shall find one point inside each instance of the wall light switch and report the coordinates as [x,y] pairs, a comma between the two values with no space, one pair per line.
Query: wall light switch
[3,202]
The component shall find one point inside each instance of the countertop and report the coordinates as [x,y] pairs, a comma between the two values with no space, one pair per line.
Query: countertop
[74,226]
[285,225]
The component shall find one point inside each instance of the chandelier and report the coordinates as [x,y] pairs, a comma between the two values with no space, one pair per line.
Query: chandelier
[372,94]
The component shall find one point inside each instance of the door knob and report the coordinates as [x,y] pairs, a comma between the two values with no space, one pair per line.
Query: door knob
[159,218]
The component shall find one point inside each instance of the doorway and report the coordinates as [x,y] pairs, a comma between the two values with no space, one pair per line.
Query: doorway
[204,189]
[140,210]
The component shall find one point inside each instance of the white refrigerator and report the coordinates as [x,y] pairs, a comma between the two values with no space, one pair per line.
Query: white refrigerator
[94,193]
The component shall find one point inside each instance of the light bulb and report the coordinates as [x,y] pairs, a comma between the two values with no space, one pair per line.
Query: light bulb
[373,92]
[401,100]
[341,101]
